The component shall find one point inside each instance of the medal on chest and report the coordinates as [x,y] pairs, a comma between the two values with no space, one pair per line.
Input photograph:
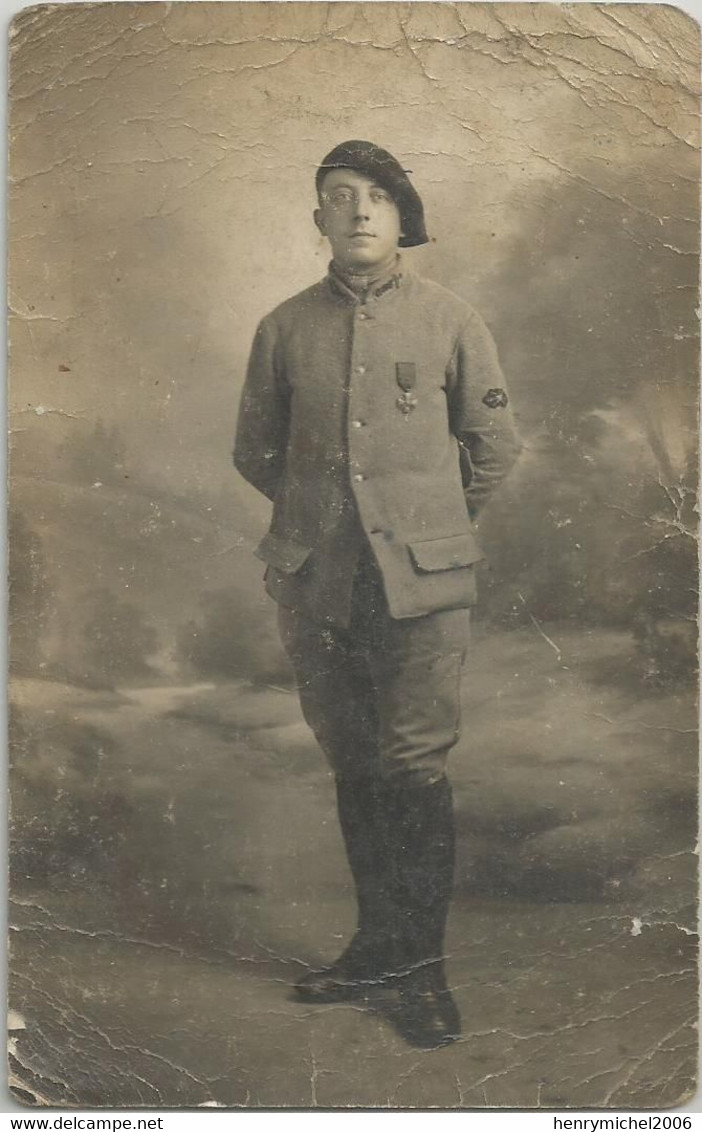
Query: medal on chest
[406,377]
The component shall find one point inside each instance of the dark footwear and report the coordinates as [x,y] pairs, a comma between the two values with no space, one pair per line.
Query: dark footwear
[428,1017]
[369,960]
[354,974]
[329,985]
[422,825]
[362,808]
[423,860]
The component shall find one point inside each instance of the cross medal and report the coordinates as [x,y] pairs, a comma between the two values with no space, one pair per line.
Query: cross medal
[406,375]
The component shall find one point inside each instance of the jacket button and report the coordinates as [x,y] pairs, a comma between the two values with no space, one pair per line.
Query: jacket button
[358,478]
[357,424]
[360,369]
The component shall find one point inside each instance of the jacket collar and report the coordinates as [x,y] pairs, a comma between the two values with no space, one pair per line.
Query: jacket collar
[363,289]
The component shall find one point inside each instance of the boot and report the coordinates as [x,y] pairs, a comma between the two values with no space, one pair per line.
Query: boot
[369,959]
[424,845]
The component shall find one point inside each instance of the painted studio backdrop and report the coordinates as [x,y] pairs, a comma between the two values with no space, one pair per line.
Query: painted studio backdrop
[176,862]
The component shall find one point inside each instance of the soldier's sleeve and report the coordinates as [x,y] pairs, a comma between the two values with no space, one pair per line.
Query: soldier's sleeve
[480,414]
[264,413]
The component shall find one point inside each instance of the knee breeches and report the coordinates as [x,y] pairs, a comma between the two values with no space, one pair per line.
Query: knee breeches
[383,695]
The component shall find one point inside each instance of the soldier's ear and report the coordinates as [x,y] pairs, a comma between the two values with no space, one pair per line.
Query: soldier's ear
[319,220]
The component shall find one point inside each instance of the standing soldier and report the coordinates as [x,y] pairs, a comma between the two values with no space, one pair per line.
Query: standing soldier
[375,418]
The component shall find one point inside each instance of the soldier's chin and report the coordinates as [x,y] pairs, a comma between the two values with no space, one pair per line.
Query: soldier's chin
[362,255]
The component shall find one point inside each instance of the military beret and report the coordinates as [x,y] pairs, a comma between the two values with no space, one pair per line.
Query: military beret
[369,159]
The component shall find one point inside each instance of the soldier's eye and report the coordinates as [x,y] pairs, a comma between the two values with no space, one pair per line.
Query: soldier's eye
[340,197]
[380,196]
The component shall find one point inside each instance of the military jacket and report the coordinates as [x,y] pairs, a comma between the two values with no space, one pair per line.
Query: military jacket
[384,423]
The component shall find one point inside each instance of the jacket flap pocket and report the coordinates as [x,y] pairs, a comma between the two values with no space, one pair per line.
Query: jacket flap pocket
[450,553]
[282,553]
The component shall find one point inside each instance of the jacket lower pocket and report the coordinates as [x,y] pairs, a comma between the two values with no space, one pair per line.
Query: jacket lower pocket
[284,554]
[452,552]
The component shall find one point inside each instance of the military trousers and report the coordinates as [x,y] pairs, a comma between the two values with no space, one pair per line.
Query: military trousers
[381,695]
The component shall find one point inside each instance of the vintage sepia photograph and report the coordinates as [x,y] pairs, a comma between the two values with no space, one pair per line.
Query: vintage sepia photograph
[354,379]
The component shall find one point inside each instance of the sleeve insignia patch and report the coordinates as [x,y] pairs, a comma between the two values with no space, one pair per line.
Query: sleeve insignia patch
[495,399]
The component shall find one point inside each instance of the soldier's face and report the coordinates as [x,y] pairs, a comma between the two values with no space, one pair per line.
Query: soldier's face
[359,218]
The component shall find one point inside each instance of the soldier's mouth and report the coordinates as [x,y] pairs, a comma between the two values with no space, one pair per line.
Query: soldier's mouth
[362,236]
